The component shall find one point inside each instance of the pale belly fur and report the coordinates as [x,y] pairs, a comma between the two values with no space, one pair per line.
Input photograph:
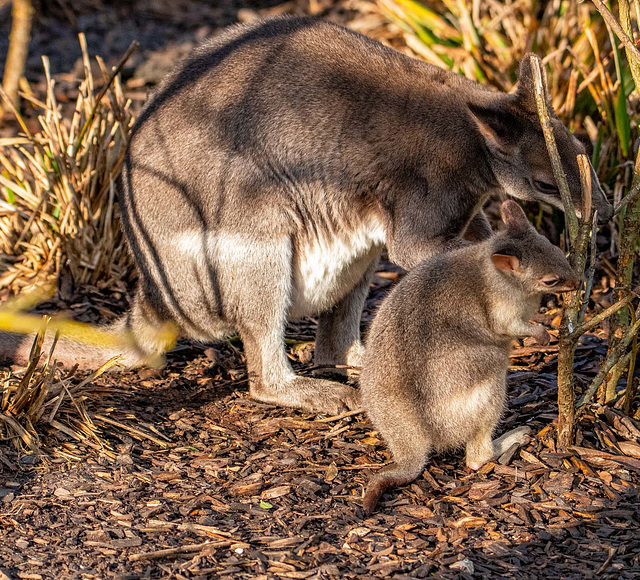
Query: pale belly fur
[324,268]
[327,267]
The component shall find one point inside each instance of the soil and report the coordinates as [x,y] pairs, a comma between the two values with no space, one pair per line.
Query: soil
[196,480]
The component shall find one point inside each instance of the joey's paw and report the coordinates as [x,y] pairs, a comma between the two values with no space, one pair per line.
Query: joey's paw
[541,335]
[475,461]
[475,465]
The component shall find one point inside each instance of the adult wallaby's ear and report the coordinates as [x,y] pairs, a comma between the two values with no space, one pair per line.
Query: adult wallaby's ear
[514,217]
[526,93]
[505,262]
[497,127]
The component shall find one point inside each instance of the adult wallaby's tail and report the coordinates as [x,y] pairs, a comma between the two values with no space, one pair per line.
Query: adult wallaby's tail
[135,339]
[16,348]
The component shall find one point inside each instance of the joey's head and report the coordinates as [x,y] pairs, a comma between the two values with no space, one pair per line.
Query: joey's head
[510,128]
[524,256]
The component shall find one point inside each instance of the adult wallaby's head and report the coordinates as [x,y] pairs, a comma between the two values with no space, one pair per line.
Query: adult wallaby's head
[522,254]
[511,130]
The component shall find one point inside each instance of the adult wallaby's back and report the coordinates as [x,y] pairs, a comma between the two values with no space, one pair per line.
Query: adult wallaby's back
[267,172]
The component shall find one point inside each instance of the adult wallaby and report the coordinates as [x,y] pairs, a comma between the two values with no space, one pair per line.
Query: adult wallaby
[267,172]
[434,372]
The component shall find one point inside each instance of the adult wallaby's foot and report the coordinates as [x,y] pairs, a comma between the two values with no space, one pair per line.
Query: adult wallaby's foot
[317,395]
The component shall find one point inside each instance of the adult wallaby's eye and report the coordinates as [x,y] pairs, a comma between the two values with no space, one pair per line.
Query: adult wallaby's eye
[544,187]
[550,281]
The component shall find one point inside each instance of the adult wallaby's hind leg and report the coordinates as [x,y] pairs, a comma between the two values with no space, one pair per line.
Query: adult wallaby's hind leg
[262,297]
[338,335]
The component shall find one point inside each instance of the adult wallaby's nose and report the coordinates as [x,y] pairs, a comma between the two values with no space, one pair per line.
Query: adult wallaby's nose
[567,285]
[605,213]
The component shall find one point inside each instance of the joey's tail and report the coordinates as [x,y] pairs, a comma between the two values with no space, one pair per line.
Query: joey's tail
[88,346]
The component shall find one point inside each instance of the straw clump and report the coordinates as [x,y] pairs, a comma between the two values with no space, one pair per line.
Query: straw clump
[42,399]
[48,414]
[57,194]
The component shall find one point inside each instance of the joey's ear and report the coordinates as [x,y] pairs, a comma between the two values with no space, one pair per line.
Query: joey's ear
[497,127]
[505,262]
[514,217]
[526,93]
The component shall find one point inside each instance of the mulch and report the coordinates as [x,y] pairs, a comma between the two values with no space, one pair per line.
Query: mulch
[196,480]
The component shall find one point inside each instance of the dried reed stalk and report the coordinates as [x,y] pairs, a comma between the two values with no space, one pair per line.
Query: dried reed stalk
[21,19]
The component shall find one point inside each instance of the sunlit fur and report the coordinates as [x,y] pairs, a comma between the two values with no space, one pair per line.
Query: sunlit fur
[437,353]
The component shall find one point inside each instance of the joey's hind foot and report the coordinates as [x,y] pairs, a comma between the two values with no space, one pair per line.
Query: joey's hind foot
[315,395]
[519,435]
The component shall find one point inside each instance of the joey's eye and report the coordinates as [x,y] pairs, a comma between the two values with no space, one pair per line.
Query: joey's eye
[550,281]
[544,187]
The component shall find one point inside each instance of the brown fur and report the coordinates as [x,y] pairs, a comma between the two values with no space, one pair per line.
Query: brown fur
[267,172]
[438,350]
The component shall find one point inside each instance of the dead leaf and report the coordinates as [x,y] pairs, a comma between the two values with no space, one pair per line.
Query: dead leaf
[331,473]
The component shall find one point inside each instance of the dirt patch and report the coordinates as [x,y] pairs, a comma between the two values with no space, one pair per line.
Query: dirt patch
[208,483]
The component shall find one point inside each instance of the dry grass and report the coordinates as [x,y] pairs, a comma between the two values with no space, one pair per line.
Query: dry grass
[72,413]
[41,395]
[58,205]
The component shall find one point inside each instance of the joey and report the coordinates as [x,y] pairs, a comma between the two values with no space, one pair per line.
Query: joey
[268,171]
[435,365]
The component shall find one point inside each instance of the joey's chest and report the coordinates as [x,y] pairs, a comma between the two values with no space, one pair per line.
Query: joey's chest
[330,262]
[511,313]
